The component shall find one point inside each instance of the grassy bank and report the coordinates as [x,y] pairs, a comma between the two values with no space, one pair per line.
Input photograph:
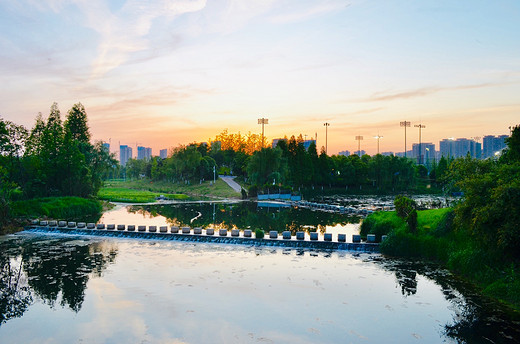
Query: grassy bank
[140,190]
[56,208]
[437,239]
[124,194]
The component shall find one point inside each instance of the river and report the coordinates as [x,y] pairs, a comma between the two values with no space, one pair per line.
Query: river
[73,289]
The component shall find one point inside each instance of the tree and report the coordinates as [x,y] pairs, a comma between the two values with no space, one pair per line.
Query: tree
[76,124]
[262,164]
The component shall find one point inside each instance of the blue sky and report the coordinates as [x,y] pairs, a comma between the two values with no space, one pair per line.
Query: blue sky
[164,73]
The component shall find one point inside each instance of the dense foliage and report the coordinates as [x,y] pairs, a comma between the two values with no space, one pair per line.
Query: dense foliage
[288,165]
[54,158]
[480,237]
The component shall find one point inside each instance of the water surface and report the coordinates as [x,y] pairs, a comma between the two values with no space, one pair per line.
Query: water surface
[69,289]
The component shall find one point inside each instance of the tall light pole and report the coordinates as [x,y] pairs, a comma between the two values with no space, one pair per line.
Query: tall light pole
[420,126]
[326,137]
[378,137]
[359,138]
[405,124]
[263,121]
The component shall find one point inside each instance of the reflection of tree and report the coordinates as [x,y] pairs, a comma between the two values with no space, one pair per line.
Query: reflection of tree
[246,215]
[15,295]
[63,269]
[476,319]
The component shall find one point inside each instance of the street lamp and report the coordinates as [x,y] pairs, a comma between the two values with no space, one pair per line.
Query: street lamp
[420,126]
[359,138]
[326,138]
[263,121]
[405,124]
[378,137]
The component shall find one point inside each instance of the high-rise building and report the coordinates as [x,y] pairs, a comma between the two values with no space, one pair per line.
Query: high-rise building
[493,144]
[144,153]
[427,152]
[163,153]
[106,146]
[125,153]
[459,148]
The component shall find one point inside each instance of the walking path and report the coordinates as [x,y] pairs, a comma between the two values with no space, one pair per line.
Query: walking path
[230,181]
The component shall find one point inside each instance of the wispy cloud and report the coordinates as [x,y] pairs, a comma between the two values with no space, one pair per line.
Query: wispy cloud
[125,31]
[421,92]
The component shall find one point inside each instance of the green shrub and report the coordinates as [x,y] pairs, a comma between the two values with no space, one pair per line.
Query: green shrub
[57,208]
[259,234]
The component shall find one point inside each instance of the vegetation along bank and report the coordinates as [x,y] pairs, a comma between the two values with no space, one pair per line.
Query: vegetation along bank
[479,238]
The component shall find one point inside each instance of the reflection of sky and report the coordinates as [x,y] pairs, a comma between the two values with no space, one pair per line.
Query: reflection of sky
[120,215]
[166,292]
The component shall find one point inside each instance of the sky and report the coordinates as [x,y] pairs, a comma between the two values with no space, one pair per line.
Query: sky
[164,73]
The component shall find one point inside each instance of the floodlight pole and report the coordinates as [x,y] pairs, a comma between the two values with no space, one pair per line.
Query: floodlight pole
[378,137]
[326,136]
[420,126]
[405,124]
[359,138]
[263,121]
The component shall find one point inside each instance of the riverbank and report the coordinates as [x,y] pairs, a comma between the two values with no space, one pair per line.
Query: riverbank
[437,239]
[145,190]
[73,208]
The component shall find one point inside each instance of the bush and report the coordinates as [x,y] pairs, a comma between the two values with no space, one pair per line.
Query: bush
[259,234]
[253,191]
[406,208]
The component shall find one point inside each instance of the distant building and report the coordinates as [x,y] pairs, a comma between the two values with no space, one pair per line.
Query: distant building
[459,148]
[360,153]
[427,152]
[493,144]
[275,142]
[125,153]
[307,143]
[387,153]
[144,153]
[344,153]
[163,153]
[106,146]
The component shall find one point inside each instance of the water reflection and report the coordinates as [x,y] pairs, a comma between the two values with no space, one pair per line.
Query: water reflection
[55,270]
[476,319]
[244,215]
[169,288]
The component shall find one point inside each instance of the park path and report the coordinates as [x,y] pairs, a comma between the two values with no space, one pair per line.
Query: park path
[230,181]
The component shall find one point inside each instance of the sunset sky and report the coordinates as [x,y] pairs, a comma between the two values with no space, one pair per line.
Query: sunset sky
[163,73]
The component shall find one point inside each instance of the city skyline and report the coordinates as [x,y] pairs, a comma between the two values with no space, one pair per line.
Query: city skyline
[176,72]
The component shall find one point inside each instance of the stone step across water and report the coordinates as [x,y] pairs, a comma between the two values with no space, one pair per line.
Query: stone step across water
[223,239]
[235,233]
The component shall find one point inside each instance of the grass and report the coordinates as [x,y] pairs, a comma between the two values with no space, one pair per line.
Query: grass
[437,239]
[57,208]
[122,194]
[146,190]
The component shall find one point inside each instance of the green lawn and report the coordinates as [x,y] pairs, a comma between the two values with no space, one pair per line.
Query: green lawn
[122,194]
[144,191]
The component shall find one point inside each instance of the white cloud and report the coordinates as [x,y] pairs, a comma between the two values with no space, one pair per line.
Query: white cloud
[125,31]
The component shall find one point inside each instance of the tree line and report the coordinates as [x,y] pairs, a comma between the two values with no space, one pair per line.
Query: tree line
[54,158]
[289,165]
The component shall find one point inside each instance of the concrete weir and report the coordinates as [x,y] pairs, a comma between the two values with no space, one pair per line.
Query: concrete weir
[223,237]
